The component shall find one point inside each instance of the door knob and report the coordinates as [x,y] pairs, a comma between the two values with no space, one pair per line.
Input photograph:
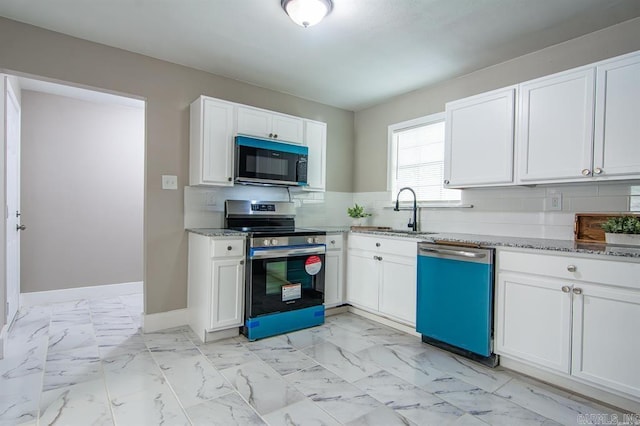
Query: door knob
[572,268]
[586,172]
[597,171]
[566,289]
[577,290]
[20,227]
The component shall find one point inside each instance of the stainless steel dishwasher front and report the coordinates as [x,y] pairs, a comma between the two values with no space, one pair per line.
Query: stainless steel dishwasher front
[455,299]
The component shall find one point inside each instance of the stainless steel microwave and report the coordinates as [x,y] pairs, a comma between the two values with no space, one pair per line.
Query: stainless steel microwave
[259,161]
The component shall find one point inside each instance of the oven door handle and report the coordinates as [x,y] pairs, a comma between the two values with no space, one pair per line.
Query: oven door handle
[286,252]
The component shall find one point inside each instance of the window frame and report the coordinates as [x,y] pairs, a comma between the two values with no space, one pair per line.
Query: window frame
[392,160]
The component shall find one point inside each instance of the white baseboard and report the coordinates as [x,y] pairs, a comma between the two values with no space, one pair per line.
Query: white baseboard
[164,320]
[71,294]
[386,321]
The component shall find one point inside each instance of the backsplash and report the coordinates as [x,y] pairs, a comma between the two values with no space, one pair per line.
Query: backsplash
[513,211]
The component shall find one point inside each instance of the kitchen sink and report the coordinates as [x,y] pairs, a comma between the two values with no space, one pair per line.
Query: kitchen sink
[409,232]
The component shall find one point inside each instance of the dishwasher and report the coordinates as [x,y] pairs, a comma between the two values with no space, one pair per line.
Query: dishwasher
[455,299]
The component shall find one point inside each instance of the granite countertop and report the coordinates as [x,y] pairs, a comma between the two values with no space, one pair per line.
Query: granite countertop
[568,246]
[217,232]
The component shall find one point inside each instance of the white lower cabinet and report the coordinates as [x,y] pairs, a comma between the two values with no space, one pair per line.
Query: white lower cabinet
[334,271]
[577,316]
[215,284]
[381,276]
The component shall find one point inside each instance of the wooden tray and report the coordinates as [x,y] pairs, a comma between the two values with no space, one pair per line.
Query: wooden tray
[587,226]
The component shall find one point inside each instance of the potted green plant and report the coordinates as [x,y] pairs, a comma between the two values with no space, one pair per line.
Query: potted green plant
[622,230]
[358,214]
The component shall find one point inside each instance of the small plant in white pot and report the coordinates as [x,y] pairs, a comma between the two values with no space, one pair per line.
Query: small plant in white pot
[358,215]
[622,230]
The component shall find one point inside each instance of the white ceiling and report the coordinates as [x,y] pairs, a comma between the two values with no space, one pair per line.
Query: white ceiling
[363,53]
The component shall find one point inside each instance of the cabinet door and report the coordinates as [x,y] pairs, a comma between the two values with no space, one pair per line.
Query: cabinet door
[254,122]
[333,274]
[227,295]
[479,139]
[556,127]
[533,320]
[211,157]
[605,337]
[363,279]
[398,288]
[617,129]
[287,128]
[315,138]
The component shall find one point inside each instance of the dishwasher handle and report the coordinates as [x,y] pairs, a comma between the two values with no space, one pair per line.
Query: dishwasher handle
[459,253]
[470,255]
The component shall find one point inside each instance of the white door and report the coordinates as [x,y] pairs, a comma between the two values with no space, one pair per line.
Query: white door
[398,288]
[533,319]
[605,336]
[13,201]
[363,272]
[556,127]
[254,122]
[617,132]
[315,138]
[217,140]
[227,294]
[479,139]
[287,129]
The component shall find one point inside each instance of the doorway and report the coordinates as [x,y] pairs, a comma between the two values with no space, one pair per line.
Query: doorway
[81,186]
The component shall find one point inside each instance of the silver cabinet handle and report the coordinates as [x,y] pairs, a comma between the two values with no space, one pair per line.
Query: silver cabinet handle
[377,244]
[20,227]
[586,172]
[270,135]
[275,136]
[597,171]
[377,258]
[229,179]
[229,248]
[572,268]
[333,241]
[577,290]
[242,262]
[446,182]
[566,289]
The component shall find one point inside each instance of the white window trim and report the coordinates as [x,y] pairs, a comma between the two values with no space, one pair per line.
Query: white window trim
[391,155]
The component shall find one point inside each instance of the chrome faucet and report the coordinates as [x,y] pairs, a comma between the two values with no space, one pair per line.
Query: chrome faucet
[414,225]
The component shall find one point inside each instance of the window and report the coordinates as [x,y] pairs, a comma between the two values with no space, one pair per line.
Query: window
[416,159]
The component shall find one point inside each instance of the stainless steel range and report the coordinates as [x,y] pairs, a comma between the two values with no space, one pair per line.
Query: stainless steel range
[284,277]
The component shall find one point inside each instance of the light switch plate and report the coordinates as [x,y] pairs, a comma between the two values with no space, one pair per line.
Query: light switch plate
[169,182]
[553,202]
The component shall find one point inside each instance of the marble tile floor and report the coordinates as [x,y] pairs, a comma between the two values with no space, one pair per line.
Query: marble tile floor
[87,363]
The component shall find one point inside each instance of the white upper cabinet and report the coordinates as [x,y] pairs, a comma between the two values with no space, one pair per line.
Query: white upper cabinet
[556,127]
[315,138]
[479,139]
[270,125]
[617,128]
[211,142]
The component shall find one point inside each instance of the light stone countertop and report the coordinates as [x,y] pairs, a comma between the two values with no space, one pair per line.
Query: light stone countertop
[216,232]
[567,246]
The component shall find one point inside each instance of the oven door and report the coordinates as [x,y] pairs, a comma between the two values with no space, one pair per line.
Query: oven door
[285,279]
[259,161]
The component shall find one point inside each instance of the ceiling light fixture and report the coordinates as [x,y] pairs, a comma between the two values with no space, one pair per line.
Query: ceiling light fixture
[307,13]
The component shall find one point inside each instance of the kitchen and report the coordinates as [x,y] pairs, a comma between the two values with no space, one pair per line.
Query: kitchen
[356,151]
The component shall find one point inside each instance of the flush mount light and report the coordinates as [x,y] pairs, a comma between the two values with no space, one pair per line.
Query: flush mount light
[307,13]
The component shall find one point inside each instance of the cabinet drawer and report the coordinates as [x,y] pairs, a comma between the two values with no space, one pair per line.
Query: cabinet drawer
[334,241]
[612,272]
[227,248]
[400,247]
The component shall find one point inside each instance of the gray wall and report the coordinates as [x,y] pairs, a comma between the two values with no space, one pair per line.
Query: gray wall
[82,178]
[168,89]
[371,124]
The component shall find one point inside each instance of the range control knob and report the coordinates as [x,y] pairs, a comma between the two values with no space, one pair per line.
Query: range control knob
[266,242]
[274,242]
[310,240]
[316,240]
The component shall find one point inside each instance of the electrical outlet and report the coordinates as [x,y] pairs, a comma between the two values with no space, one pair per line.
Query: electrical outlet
[169,182]
[554,202]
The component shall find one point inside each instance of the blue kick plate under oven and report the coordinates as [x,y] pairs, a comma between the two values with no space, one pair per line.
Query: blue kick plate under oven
[455,297]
